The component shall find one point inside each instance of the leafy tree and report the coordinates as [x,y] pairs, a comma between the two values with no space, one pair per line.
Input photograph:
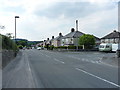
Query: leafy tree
[7,43]
[87,40]
[22,42]
[20,46]
[9,35]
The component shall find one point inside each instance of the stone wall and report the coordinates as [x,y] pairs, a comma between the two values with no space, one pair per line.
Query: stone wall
[7,56]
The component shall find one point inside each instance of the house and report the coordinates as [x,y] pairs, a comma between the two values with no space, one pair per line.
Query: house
[46,42]
[39,44]
[56,42]
[51,41]
[112,37]
[97,41]
[71,38]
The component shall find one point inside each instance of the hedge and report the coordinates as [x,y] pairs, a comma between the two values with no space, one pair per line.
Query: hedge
[7,43]
[63,47]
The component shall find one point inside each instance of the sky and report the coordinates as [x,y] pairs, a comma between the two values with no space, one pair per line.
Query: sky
[42,19]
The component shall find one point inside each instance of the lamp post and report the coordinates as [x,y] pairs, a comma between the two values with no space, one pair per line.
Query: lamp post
[15,26]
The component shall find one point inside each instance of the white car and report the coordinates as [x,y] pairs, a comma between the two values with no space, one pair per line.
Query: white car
[39,48]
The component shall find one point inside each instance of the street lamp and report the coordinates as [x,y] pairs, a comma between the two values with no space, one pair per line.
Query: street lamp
[15,26]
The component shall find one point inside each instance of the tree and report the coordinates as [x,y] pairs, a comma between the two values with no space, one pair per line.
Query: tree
[22,42]
[20,46]
[87,40]
[9,35]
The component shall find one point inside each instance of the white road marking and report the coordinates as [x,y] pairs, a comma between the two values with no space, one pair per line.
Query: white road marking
[59,61]
[47,56]
[98,77]
[31,76]
[92,61]
[29,67]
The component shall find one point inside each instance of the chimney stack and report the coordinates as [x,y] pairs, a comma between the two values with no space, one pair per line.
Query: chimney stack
[47,38]
[76,25]
[114,31]
[72,29]
[52,37]
[60,34]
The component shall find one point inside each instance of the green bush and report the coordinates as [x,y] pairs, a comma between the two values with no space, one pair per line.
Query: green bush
[20,46]
[55,47]
[45,46]
[7,43]
[51,47]
[62,47]
[80,47]
[72,47]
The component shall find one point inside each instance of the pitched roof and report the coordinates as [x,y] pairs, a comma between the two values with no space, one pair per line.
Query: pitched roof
[58,37]
[96,38]
[113,34]
[73,34]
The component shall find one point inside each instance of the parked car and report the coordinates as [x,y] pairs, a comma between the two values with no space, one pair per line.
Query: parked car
[105,47]
[39,48]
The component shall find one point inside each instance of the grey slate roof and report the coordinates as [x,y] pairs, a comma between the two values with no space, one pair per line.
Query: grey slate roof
[58,37]
[73,34]
[113,34]
[96,38]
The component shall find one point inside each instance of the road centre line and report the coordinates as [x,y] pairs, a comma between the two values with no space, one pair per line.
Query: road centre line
[98,77]
[59,61]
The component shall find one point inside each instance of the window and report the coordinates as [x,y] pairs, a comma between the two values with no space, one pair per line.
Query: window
[101,46]
[107,46]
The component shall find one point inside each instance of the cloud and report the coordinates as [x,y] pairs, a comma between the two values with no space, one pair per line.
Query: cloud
[72,10]
[41,19]
[100,23]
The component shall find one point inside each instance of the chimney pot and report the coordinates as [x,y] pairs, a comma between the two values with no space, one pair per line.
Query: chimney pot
[52,37]
[114,31]
[60,34]
[72,29]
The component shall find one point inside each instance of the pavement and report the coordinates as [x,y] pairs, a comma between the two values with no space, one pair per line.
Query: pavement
[46,69]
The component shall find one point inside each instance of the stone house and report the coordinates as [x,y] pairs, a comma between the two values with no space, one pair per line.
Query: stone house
[72,38]
[56,42]
[113,37]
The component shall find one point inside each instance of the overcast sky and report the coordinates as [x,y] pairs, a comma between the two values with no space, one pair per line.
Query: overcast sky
[42,19]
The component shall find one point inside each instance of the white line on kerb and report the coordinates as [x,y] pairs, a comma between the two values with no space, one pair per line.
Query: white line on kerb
[98,77]
[59,61]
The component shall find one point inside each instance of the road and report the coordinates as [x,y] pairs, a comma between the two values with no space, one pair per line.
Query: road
[48,69]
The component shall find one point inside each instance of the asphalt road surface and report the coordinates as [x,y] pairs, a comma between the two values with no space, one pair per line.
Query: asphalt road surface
[47,69]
